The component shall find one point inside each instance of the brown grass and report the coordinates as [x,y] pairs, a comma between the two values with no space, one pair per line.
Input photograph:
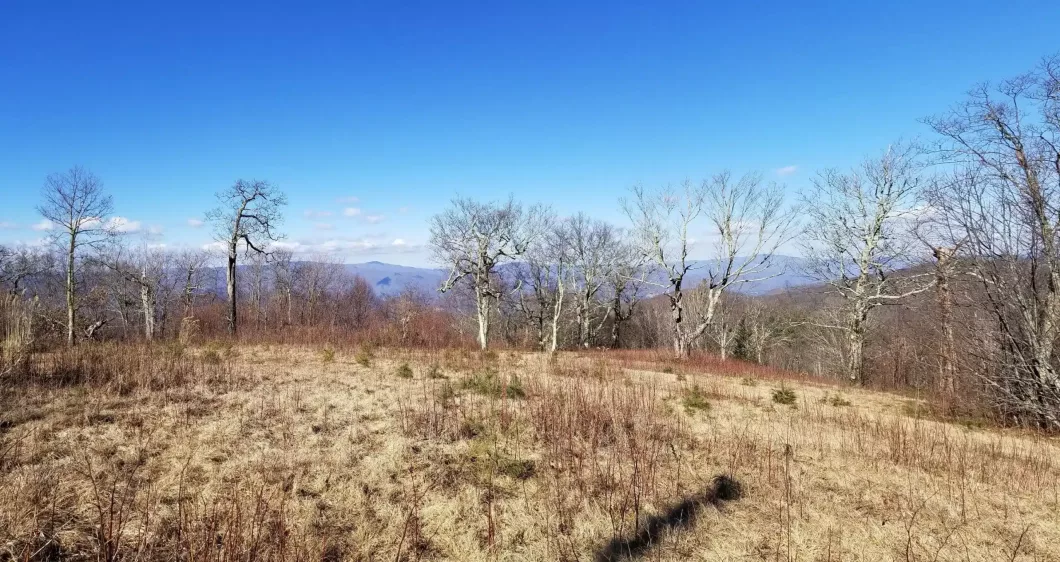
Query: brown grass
[271,453]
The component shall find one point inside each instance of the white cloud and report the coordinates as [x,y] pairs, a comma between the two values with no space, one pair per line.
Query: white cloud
[323,226]
[43,225]
[311,214]
[214,246]
[373,219]
[194,223]
[122,224]
[787,170]
[348,247]
[403,210]
[6,225]
[349,199]
[154,229]
[351,212]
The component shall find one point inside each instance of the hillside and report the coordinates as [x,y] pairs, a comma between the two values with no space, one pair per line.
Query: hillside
[293,453]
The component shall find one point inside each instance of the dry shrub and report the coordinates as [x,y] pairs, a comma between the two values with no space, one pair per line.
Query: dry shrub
[123,369]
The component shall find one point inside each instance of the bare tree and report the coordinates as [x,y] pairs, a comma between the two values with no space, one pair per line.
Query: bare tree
[76,207]
[316,277]
[625,285]
[1003,204]
[594,247]
[22,263]
[190,265]
[249,212]
[547,276]
[472,238]
[284,271]
[748,220]
[145,269]
[860,234]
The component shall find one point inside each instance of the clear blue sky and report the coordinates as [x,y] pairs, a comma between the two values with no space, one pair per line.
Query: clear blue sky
[403,107]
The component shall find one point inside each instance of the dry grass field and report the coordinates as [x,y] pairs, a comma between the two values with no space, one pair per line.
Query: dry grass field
[258,453]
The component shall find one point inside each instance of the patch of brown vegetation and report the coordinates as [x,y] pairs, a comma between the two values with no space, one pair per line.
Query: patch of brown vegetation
[271,453]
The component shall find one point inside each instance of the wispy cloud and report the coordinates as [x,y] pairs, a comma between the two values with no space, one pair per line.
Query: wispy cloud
[7,225]
[122,224]
[787,170]
[43,225]
[374,219]
[349,246]
[323,226]
[351,212]
[403,210]
[349,199]
[311,214]
[194,223]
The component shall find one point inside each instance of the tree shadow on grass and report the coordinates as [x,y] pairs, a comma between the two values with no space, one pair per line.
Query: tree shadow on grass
[679,516]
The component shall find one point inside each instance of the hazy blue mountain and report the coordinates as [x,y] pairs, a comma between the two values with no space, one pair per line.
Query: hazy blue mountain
[390,279]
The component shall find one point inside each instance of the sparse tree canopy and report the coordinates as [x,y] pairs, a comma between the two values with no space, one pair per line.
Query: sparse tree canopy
[471,238]
[860,234]
[77,208]
[248,214]
[747,220]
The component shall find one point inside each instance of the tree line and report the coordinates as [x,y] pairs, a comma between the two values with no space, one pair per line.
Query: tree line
[935,265]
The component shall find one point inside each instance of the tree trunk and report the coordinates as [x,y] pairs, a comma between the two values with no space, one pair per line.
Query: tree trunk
[856,342]
[483,310]
[231,285]
[71,315]
[947,379]
[147,302]
[556,313]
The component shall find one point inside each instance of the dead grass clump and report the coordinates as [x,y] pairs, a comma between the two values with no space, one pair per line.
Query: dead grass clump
[327,355]
[404,371]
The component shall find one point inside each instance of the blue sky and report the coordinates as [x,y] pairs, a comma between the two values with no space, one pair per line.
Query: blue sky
[392,109]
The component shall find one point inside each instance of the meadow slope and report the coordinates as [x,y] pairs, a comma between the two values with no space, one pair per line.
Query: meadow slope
[269,453]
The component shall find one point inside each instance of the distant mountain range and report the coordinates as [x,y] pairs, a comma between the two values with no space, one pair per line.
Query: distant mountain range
[390,279]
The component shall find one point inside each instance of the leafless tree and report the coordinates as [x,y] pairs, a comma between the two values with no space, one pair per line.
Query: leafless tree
[316,276]
[625,285]
[593,248]
[859,234]
[547,275]
[190,266]
[145,269]
[22,263]
[284,270]
[472,238]
[76,207]
[1003,203]
[747,220]
[249,212]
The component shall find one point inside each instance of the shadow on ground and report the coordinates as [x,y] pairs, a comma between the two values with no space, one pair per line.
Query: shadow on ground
[681,515]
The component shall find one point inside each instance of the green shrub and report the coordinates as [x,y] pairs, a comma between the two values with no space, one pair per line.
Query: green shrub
[784,395]
[488,383]
[211,357]
[695,399]
[835,400]
[328,355]
[404,371]
[364,356]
